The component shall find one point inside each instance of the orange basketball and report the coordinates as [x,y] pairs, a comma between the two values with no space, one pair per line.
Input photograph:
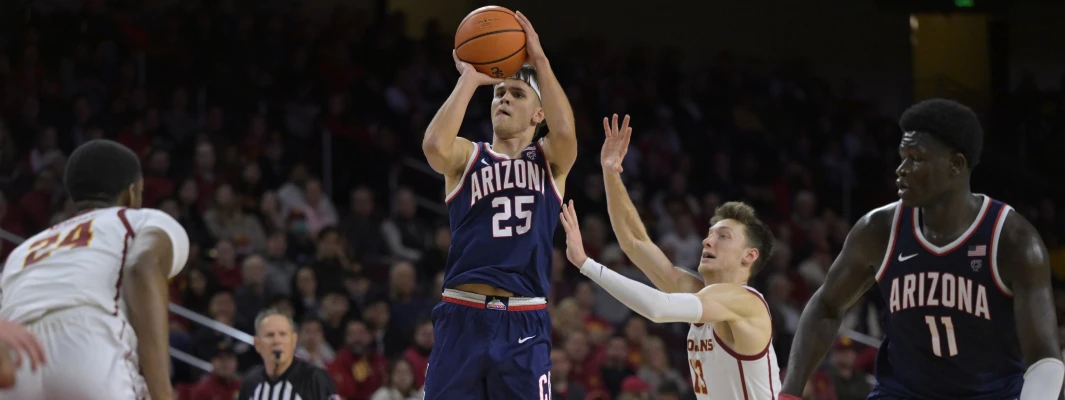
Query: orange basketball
[491,40]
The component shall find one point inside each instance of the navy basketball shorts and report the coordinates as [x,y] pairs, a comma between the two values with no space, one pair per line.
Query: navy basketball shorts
[489,348]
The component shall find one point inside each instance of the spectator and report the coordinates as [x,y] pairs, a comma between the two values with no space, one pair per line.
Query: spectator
[655,370]
[222,383]
[840,380]
[306,293]
[312,346]
[615,366]
[254,290]
[420,349]
[224,267]
[563,387]
[226,220]
[406,305]
[335,317]
[363,227]
[404,234]
[400,384]
[359,370]
[280,271]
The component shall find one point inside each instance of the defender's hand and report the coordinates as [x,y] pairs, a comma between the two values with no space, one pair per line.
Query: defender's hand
[532,41]
[616,145]
[468,72]
[20,340]
[574,243]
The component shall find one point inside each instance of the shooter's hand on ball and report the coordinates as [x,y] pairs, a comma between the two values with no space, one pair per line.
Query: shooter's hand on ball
[469,73]
[532,42]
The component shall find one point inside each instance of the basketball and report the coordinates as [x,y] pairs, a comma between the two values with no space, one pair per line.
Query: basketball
[492,41]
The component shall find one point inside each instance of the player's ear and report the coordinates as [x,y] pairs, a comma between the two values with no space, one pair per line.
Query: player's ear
[957,163]
[750,256]
[538,116]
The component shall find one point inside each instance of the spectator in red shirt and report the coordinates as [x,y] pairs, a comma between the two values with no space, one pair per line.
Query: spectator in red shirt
[586,361]
[225,268]
[358,370]
[36,206]
[222,383]
[418,352]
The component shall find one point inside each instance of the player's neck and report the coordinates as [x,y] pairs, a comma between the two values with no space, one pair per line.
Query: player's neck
[737,276]
[89,205]
[952,214]
[510,147]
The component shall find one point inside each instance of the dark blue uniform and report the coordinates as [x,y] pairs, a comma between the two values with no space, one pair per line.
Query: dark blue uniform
[949,319]
[503,217]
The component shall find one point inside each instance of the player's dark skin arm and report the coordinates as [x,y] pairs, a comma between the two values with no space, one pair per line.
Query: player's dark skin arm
[1025,266]
[146,297]
[851,274]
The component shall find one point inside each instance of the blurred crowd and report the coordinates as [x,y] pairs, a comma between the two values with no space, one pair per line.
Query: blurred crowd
[289,149]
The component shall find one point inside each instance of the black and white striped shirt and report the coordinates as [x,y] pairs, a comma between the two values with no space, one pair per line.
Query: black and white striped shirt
[301,381]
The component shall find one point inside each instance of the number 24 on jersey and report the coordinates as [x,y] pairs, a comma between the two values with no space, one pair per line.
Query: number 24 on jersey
[78,236]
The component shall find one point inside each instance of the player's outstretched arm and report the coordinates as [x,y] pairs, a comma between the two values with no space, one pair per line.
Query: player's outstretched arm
[560,146]
[444,150]
[625,221]
[654,305]
[146,297]
[851,274]
[1027,272]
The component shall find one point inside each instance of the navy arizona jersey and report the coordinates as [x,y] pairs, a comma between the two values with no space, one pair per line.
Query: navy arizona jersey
[503,216]
[949,323]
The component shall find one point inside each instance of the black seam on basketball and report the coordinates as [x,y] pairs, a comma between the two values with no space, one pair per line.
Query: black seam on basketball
[499,60]
[499,10]
[486,34]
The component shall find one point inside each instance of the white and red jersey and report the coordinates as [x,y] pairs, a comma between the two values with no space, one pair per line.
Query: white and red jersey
[719,373]
[80,262]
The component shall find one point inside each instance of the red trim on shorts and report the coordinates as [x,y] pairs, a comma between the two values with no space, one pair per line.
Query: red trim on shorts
[480,305]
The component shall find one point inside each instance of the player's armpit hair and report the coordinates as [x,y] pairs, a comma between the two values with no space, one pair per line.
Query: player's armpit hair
[758,235]
[949,122]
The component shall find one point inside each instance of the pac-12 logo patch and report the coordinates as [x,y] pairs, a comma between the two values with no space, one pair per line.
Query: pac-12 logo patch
[976,264]
[495,304]
[530,154]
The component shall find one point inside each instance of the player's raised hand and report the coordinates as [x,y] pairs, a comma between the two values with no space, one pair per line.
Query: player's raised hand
[467,71]
[532,41]
[17,338]
[616,145]
[574,242]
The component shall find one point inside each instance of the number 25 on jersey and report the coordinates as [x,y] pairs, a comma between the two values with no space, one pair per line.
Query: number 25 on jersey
[504,212]
[79,236]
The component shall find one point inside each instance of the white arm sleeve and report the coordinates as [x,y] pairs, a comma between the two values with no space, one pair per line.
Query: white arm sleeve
[651,303]
[151,220]
[1043,380]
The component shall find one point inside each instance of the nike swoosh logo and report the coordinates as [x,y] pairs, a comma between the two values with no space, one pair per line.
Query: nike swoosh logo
[901,258]
[484,162]
[523,340]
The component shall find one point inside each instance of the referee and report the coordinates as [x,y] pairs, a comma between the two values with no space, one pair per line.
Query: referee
[283,377]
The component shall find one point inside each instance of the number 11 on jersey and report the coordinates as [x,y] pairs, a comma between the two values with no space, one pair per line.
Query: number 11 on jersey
[948,328]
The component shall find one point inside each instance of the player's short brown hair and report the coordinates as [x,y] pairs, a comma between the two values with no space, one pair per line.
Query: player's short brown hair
[758,233]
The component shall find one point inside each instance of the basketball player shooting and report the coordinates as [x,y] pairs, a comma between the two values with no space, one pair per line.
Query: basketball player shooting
[492,330]
[966,280]
[730,348]
[80,286]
